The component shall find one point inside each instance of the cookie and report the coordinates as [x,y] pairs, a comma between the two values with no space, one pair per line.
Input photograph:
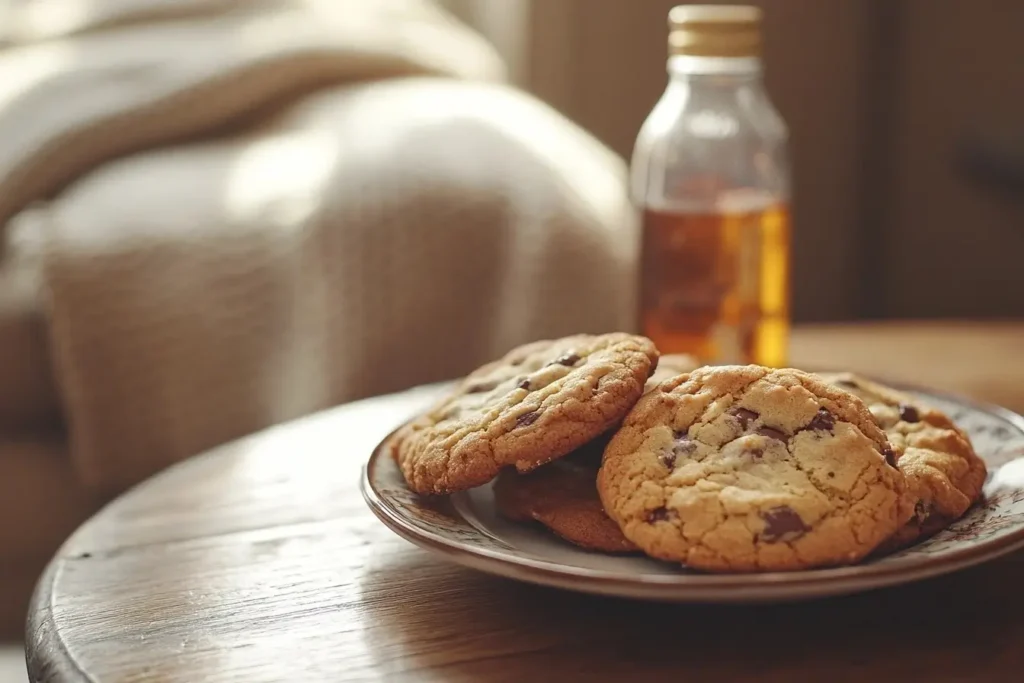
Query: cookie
[540,402]
[944,475]
[562,496]
[669,366]
[745,468]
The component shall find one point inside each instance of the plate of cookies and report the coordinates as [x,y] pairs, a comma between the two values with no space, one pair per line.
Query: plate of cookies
[593,463]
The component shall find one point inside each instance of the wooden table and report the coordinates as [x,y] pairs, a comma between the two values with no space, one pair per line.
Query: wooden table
[259,562]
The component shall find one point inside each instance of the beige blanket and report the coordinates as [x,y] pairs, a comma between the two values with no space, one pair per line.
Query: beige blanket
[242,212]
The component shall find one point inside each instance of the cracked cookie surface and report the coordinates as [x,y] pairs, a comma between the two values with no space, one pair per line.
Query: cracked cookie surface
[744,468]
[562,496]
[944,475]
[539,402]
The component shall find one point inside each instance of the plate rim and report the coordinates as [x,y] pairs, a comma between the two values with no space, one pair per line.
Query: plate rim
[705,586]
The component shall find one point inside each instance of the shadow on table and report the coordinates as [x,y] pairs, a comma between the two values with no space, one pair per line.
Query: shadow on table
[472,627]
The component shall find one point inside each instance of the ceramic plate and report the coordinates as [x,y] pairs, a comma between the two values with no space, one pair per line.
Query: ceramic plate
[466,529]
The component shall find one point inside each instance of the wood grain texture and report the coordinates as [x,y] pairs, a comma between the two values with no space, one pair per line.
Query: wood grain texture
[259,562]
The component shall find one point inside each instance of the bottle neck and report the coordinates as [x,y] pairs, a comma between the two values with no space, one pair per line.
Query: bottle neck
[722,71]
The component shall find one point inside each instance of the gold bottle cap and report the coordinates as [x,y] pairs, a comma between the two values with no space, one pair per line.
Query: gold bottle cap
[715,31]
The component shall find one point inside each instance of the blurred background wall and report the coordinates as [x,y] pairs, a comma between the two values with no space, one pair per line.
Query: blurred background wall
[892,105]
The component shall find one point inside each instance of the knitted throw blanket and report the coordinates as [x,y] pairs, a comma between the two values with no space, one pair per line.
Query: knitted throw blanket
[244,211]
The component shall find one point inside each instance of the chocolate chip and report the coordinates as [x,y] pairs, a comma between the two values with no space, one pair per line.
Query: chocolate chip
[890,456]
[772,433]
[909,413]
[527,418]
[782,522]
[831,475]
[745,416]
[682,445]
[481,387]
[823,421]
[658,515]
[922,510]
[756,452]
[568,360]
[524,383]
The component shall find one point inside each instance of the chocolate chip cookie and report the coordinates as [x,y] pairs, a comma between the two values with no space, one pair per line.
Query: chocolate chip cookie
[540,402]
[562,496]
[744,468]
[944,475]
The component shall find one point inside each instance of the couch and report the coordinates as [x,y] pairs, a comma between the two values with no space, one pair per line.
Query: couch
[249,260]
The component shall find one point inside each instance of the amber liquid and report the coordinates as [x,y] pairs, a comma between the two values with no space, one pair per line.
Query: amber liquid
[717,285]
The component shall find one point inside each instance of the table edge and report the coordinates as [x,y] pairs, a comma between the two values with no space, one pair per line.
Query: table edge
[46,656]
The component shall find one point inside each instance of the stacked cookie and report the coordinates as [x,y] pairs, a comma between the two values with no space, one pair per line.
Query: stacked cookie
[730,468]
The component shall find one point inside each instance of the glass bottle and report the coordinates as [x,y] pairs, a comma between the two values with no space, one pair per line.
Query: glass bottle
[711,175]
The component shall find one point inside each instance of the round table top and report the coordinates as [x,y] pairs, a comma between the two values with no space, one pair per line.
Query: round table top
[259,561]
